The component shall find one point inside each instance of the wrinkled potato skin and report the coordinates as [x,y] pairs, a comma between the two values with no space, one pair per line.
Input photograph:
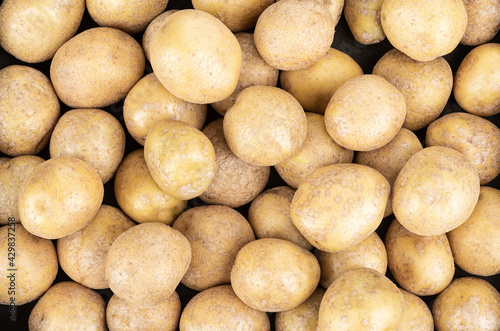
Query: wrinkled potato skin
[151,30]
[303,317]
[363,18]
[483,21]
[416,315]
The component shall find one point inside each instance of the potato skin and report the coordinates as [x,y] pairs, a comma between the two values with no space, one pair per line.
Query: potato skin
[416,315]
[303,317]
[151,30]
[483,21]
[363,19]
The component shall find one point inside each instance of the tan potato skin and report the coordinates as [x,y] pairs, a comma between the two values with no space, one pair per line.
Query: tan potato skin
[416,315]
[151,30]
[483,21]
[303,317]
[363,19]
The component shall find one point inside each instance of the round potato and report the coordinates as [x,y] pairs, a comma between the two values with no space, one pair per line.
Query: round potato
[273,275]
[29,109]
[416,315]
[483,21]
[303,317]
[96,68]
[363,19]
[151,30]
[59,197]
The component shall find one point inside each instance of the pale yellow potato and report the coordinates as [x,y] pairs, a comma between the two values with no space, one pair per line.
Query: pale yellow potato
[33,30]
[475,137]
[139,196]
[151,30]
[273,275]
[265,126]
[483,21]
[180,158]
[216,234]
[254,71]
[69,306]
[196,57]
[363,19]
[426,86]
[96,68]
[59,197]
[236,182]
[475,243]
[218,308]
[91,135]
[314,86]
[293,34]
[435,191]
[365,113]
[336,193]
[269,216]
[469,303]
[29,110]
[121,316]
[146,263]
[34,261]
[416,315]
[131,16]
[83,253]
[303,317]
[422,265]
[361,299]
[149,102]
[370,253]
[475,87]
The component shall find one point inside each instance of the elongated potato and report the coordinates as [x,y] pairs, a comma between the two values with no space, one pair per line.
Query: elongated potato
[363,18]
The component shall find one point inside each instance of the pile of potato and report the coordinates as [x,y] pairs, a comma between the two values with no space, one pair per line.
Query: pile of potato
[226,168]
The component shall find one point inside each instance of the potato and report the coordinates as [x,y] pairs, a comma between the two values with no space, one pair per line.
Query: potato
[314,86]
[218,308]
[422,265]
[151,30]
[196,57]
[236,182]
[83,253]
[475,87]
[475,137]
[370,253]
[146,263]
[216,234]
[422,30]
[69,306]
[416,315]
[121,315]
[33,30]
[139,196]
[265,126]
[59,197]
[365,113]
[29,265]
[96,68]
[336,193]
[361,299]
[180,158]
[303,317]
[475,244]
[254,71]
[469,303]
[131,16]
[269,216]
[293,34]
[363,19]
[435,191]
[483,21]
[149,102]
[29,110]
[13,172]
[103,152]
[426,86]
[273,275]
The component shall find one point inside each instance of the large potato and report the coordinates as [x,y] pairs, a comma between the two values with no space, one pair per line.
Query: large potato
[483,21]
[363,19]
[303,317]
[416,316]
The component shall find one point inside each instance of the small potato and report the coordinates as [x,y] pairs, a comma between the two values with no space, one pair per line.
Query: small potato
[149,102]
[336,193]
[365,113]
[370,253]
[103,151]
[151,30]
[303,317]
[122,316]
[216,234]
[34,260]
[416,315]
[69,306]
[273,275]
[29,110]
[363,19]
[483,21]
[469,303]
[83,253]
[33,30]
[218,308]
[475,243]
[59,197]
[361,299]
[426,86]
[475,87]
[140,197]
[422,265]
[96,68]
